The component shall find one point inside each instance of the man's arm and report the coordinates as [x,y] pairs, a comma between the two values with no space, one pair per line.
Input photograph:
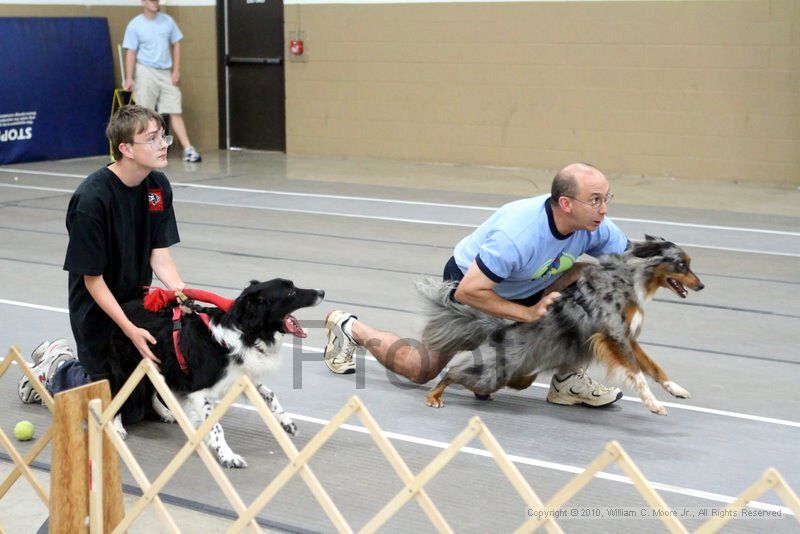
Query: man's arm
[130,65]
[165,269]
[176,63]
[477,290]
[140,337]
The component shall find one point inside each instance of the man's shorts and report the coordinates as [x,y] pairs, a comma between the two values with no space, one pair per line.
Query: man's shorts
[453,274]
[153,89]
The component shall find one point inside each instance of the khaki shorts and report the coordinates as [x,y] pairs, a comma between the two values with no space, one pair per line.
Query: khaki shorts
[153,89]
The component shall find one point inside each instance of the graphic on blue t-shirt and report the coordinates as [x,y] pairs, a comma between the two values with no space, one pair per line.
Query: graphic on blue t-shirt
[554,266]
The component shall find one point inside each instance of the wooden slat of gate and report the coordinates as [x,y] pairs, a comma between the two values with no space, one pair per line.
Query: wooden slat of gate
[69,481]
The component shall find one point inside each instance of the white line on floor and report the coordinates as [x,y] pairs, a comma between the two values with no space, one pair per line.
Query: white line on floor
[417,221]
[42,173]
[687,407]
[523,460]
[382,200]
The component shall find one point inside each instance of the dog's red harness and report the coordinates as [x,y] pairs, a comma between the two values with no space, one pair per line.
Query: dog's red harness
[157,299]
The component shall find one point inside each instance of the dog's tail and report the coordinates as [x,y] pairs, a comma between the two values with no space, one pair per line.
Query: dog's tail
[453,327]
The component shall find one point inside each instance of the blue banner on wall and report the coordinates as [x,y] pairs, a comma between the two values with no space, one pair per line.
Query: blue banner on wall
[56,85]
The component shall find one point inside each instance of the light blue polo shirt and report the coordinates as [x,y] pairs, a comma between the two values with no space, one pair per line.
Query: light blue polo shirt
[520,249]
[151,38]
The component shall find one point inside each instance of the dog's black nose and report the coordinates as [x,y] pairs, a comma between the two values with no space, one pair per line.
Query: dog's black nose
[321,293]
[700,285]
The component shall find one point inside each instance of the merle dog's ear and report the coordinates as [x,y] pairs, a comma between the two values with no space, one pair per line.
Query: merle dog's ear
[652,247]
[648,237]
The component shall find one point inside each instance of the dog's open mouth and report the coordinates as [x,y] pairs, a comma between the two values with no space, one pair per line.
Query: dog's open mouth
[293,327]
[677,287]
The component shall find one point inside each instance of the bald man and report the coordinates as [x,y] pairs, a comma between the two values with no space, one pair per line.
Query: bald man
[512,266]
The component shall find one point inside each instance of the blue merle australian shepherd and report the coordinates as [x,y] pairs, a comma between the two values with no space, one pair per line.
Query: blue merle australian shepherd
[598,318]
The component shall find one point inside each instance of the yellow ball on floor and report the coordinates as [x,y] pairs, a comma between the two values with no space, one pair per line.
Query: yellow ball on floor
[24,430]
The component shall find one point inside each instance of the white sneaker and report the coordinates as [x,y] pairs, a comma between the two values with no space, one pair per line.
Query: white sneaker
[38,353]
[47,358]
[579,388]
[340,348]
[191,155]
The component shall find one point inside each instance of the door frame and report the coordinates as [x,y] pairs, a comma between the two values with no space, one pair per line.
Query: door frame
[223,77]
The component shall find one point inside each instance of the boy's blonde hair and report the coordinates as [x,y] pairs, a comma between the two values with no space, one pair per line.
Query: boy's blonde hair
[127,122]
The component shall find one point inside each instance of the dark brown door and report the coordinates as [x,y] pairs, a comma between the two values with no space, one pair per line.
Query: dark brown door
[252,93]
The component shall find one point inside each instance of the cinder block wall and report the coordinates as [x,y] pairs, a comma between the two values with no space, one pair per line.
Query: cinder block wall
[198,63]
[692,89]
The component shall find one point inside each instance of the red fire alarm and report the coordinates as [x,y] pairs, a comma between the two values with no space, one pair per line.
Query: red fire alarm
[296,47]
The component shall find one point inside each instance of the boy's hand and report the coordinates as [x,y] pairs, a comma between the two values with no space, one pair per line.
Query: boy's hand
[140,339]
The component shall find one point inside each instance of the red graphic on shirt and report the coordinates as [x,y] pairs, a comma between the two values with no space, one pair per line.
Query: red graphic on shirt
[155,200]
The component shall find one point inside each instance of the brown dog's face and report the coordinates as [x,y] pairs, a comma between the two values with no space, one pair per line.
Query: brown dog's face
[673,269]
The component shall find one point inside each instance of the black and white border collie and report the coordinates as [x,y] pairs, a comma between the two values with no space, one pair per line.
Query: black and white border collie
[246,340]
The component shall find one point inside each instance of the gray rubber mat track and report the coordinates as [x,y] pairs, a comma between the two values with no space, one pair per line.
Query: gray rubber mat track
[733,346]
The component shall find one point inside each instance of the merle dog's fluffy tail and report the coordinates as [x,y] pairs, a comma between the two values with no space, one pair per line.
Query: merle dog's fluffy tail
[453,327]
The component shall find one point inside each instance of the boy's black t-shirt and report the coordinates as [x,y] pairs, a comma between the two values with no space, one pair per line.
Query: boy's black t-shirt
[113,229]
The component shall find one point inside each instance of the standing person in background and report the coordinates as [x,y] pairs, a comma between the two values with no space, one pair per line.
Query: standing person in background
[153,68]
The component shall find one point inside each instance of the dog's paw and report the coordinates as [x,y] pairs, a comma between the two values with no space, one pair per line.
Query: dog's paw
[435,403]
[231,460]
[657,408]
[119,428]
[290,428]
[483,396]
[166,416]
[675,390]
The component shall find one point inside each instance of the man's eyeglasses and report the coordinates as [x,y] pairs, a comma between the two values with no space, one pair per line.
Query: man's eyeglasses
[156,142]
[596,201]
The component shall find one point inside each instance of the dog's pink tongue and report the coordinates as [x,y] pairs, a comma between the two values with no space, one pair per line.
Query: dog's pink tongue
[293,327]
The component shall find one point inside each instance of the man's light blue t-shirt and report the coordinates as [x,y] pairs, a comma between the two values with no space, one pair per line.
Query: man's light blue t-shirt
[521,250]
[151,38]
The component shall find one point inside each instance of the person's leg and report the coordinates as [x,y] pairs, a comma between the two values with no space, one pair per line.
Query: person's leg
[49,359]
[178,127]
[71,374]
[414,362]
[575,386]
[346,332]
[145,86]
[171,102]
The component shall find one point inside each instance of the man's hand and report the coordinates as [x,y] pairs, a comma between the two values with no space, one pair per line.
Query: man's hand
[140,339]
[176,77]
[128,84]
[539,310]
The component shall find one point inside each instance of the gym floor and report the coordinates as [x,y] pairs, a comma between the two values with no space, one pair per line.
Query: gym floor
[364,231]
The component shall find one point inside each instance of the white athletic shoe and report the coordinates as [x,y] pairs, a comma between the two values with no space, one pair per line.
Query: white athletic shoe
[191,155]
[340,348]
[578,388]
[47,357]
